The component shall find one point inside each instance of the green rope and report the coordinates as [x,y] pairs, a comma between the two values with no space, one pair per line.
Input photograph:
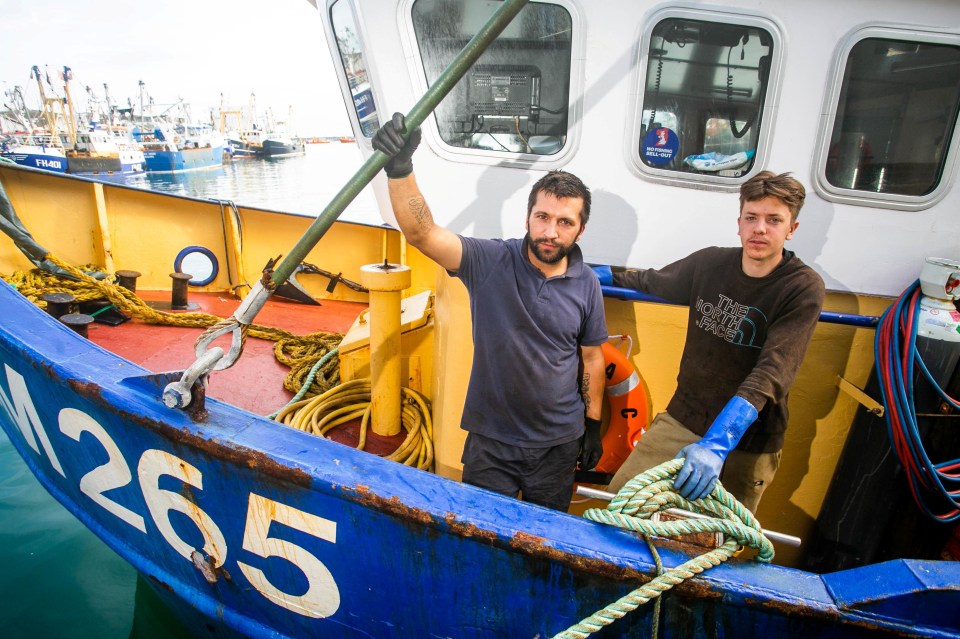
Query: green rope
[308,382]
[649,493]
[105,308]
[655,625]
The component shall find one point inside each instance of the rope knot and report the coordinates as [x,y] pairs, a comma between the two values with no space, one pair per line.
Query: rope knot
[652,491]
[632,509]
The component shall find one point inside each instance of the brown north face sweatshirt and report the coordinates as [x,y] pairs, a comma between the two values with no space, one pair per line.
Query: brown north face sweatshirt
[745,336]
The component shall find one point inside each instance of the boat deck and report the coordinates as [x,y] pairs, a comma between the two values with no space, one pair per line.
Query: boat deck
[255,381]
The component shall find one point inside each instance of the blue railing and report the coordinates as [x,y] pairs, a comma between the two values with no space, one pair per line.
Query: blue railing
[829,317]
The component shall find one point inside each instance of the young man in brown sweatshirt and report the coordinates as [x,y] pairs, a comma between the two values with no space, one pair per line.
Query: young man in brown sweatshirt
[753,310]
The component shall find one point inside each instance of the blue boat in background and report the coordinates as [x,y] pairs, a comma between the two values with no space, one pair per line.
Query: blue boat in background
[26,145]
[168,148]
[34,155]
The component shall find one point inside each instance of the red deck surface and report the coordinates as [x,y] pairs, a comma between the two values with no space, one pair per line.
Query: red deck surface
[255,381]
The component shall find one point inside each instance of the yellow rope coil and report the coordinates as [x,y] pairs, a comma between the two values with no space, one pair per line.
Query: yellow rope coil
[351,400]
[325,405]
[299,352]
[649,493]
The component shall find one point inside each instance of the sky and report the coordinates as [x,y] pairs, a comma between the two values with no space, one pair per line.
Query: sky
[189,49]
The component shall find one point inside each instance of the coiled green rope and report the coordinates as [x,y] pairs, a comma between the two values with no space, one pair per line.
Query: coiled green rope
[649,493]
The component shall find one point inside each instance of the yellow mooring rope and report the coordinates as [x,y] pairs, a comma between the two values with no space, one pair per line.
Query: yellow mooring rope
[314,371]
[303,353]
[351,400]
[299,352]
[632,507]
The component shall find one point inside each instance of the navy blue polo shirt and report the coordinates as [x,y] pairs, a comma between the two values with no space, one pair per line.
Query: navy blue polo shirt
[524,385]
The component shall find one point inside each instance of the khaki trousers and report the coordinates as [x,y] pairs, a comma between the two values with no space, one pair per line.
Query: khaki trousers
[744,475]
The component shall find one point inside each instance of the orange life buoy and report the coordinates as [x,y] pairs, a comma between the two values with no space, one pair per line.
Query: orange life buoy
[628,405]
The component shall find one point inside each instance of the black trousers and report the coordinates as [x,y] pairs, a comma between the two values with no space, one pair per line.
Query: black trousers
[542,476]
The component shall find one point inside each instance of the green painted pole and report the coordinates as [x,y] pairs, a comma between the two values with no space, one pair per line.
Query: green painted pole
[434,95]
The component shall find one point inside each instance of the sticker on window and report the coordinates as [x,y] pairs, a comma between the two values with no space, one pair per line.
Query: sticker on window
[660,146]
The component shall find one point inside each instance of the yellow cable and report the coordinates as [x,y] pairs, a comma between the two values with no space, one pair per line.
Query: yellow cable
[351,400]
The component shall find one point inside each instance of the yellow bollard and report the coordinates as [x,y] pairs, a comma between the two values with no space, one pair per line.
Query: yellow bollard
[385,281]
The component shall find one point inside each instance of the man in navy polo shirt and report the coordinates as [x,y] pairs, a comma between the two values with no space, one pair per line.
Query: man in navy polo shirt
[537,312]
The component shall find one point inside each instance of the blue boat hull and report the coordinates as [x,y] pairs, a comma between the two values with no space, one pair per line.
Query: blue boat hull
[55,163]
[246,526]
[183,160]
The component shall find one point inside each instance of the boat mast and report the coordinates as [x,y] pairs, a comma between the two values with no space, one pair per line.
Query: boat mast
[47,112]
[111,109]
[52,109]
[251,115]
[143,88]
[95,113]
[223,117]
[72,120]
[271,124]
[18,110]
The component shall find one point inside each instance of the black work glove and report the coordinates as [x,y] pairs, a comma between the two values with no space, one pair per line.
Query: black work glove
[591,446]
[389,140]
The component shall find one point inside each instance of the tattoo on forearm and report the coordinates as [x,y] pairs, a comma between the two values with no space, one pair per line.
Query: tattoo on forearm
[419,210]
[585,390]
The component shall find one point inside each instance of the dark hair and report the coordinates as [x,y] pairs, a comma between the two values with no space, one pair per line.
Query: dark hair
[561,184]
[784,187]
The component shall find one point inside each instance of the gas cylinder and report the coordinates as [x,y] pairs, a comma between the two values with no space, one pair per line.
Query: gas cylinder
[940,285]
[862,522]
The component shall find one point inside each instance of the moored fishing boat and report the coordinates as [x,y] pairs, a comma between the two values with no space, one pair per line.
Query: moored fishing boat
[242,134]
[90,148]
[277,146]
[27,145]
[249,526]
[281,140]
[25,152]
[166,150]
[171,142]
[244,145]
[96,152]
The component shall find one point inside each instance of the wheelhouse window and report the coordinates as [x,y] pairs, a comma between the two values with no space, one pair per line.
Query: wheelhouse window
[515,98]
[896,114]
[354,66]
[705,86]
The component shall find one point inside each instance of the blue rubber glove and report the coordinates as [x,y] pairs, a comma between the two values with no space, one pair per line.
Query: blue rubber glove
[704,460]
[605,275]
[389,140]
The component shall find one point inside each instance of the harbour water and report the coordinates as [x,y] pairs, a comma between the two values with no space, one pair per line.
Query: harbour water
[58,580]
[302,184]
